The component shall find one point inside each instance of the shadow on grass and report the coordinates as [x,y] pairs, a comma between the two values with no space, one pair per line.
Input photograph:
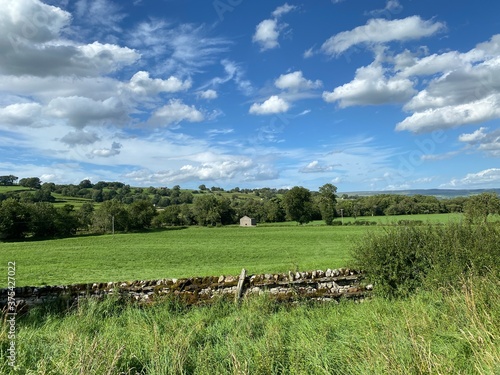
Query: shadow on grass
[80,235]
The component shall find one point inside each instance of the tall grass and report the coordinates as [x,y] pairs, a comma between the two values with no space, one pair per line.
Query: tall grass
[428,333]
[400,260]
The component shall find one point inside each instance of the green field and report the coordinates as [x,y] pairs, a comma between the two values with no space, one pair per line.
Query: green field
[193,251]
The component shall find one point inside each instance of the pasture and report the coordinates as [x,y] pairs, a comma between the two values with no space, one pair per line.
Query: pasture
[191,251]
[179,252]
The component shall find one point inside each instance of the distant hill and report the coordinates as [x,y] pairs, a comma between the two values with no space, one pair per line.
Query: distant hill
[439,193]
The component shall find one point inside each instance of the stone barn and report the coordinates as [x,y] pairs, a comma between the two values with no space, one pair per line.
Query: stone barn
[246,221]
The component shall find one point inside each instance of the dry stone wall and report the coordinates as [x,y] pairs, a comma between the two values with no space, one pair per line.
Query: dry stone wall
[329,285]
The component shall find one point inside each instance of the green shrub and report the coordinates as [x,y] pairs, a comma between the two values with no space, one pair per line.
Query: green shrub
[404,259]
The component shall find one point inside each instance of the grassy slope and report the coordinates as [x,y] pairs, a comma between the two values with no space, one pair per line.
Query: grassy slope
[194,251]
[429,333]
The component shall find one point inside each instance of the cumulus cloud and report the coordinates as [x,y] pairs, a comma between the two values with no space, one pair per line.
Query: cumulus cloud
[20,114]
[175,112]
[371,86]
[482,140]
[80,111]
[207,171]
[316,167]
[296,82]
[208,94]
[451,116]
[268,31]
[381,31]
[30,21]
[283,9]
[273,105]
[106,152]
[31,44]
[142,84]
[80,137]
[486,178]
[266,34]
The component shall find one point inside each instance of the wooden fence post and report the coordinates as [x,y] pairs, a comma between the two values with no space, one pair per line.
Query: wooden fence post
[239,288]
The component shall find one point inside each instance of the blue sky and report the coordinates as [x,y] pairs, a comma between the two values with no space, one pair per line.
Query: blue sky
[364,94]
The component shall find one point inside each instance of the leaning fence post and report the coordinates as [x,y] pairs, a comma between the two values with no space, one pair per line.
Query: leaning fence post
[239,288]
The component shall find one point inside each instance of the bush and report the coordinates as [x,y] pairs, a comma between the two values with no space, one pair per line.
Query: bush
[404,259]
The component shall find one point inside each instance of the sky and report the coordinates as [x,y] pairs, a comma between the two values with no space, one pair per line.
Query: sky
[368,95]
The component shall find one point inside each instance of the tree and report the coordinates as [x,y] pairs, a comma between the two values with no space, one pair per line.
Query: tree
[111,213]
[85,214]
[31,182]
[478,207]
[212,210]
[8,180]
[326,202]
[141,213]
[298,204]
[85,184]
[14,219]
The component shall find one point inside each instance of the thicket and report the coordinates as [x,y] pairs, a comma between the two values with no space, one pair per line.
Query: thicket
[403,259]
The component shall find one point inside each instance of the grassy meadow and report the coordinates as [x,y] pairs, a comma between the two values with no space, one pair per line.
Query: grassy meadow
[442,330]
[179,252]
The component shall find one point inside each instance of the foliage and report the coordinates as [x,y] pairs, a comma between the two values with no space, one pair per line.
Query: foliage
[31,182]
[298,204]
[326,202]
[478,207]
[14,219]
[8,180]
[403,259]
[429,333]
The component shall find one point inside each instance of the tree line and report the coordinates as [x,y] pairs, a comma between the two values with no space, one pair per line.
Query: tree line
[117,206]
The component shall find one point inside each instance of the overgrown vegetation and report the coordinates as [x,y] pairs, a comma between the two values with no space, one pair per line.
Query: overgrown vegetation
[404,259]
[428,333]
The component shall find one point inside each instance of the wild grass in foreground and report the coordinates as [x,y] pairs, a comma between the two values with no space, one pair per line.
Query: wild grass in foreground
[428,333]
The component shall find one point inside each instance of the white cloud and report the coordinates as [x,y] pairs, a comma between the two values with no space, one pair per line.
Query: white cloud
[484,141]
[142,84]
[20,114]
[184,50]
[316,167]
[268,31]
[106,152]
[283,9]
[464,87]
[30,21]
[452,115]
[296,82]
[309,53]
[175,112]
[381,31]
[80,137]
[103,15]
[208,94]
[80,111]
[273,105]
[266,34]
[207,171]
[391,7]
[370,86]
[485,178]
[235,73]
